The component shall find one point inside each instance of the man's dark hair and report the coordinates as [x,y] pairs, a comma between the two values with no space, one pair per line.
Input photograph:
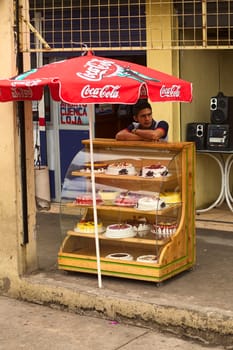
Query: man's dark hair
[141,104]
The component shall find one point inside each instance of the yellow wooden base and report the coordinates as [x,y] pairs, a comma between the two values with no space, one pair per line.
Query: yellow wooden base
[119,268]
[78,254]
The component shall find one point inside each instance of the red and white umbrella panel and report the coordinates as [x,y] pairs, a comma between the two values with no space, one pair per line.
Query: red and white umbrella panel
[91,79]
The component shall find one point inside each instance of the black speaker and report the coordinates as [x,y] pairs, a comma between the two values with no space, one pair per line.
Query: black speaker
[197,132]
[218,137]
[221,109]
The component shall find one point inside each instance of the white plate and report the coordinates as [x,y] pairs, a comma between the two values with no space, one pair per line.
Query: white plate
[120,235]
[109,173]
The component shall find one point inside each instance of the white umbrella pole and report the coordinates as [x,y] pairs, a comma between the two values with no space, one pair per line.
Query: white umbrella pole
[94,200]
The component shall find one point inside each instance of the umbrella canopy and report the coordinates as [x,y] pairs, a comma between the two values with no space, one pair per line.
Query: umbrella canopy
[91,79]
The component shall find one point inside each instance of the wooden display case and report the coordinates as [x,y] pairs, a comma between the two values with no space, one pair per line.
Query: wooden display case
[174,250]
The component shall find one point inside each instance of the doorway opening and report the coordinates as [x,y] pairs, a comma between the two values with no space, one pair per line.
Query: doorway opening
[117,116]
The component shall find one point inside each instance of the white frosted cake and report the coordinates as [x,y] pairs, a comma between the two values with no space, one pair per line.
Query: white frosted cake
[164,230]
[120,168]
[149,203]
[141,226]
[142,229]
[120,231]
[154,170]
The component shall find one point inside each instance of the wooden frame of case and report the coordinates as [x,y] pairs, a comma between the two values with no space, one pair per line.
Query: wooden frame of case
[176,254]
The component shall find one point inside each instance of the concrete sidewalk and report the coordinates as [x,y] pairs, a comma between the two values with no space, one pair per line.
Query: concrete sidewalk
[35,327]
[196,303]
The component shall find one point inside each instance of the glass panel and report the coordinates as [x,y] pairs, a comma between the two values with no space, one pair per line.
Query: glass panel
[138,199]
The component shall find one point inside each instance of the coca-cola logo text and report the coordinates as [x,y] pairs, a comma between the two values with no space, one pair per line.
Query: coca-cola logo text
[173,91]
[21,92]
[18,83]
[107,92]
[96,69]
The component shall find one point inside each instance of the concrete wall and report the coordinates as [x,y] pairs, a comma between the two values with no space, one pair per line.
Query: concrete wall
[10,209]
[16,257]
[167,61]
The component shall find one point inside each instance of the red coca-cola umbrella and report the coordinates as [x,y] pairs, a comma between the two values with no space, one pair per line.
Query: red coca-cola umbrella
[91,79]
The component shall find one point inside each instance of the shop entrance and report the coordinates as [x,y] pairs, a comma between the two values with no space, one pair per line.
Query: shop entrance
[109,119]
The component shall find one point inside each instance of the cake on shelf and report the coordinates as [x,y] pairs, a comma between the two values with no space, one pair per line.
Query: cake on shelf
[88,170]
[108,196]
[121,168]
[86,199]
[142,229]
[140,225]
[164,230]
[150,203]
[85,226]
[171,197]
[126,200]
[148,259]
[120,256]
[154,170]
[99,167]
[120,231]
